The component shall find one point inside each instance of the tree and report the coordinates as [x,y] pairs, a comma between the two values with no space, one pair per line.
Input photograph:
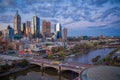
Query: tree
[1,69]
[50,56]
[95,59]
[61,48]
[107,59]
[58,49]
[62,54]
[54,49]
[76,48]
[24,63]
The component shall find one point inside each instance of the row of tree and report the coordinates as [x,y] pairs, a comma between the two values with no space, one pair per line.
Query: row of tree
[7,67]
[110,59]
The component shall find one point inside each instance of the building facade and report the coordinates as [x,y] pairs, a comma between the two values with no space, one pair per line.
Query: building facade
[46,27]
[64,34]
[58,31]
[17,24]
[23,28]
[10,33]
[36,26]
[28,28]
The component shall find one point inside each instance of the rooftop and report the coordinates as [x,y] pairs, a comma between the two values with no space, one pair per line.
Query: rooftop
[101,73]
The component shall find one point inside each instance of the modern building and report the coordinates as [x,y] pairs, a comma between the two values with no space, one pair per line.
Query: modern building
[85,37]
[23,28]
[101,37]
[28,28]
[64,34]
[48,30]
[10,33]
[0,34]
[58,31]
[36,26]
[46,27]
[4,33]
[17,24]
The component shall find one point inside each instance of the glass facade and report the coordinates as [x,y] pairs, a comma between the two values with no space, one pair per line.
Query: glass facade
[36,26]
[58,31]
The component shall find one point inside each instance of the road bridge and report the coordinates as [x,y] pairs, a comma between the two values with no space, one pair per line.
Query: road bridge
[75,67]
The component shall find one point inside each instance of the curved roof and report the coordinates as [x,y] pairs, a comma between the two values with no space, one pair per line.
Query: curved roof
[101,73]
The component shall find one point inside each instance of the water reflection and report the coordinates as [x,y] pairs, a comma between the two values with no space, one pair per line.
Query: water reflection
[86,58]
[37,74]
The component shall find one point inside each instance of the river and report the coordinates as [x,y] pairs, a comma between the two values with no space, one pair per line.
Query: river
[86,58]
[51,74]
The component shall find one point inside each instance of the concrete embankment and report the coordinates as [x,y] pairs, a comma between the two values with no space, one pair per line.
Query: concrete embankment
[13,70]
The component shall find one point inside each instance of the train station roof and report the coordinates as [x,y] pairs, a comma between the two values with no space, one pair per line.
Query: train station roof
[101,73]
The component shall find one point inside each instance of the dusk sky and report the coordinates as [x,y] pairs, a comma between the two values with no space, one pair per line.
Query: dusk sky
[81,17]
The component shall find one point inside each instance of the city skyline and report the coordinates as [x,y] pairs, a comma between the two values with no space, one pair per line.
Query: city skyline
[90,17]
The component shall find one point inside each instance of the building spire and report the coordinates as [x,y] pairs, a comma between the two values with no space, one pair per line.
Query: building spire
[16,12]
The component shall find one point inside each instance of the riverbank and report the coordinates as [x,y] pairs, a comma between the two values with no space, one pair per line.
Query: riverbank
[110,59]
[14,70]
[70,55]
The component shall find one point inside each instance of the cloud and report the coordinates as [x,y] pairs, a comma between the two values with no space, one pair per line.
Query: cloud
[6,19]
[113,12]
[73,14]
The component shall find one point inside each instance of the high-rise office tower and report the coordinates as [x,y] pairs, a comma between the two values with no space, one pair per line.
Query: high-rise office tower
[17,24]
[10,33]
[36,26]
[48,30]
[23,28]
[58,31]
[64,34]
[46,27]
[28,28]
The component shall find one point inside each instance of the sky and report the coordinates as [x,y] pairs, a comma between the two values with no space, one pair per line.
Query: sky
[80,17]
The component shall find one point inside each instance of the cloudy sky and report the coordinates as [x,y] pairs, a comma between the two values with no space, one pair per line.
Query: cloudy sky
[81,17]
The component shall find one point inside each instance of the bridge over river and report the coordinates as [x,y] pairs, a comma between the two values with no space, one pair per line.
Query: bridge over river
[60,66]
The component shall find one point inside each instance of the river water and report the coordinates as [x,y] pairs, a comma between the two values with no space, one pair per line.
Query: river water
[51,74]
[86,58]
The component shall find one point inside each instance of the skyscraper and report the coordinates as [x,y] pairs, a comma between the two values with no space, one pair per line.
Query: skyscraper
[46,27]
[23,28]
[10,33]
[36,26]
[28,28]
[58,31]
[17,24]
[64,34]
[48,30]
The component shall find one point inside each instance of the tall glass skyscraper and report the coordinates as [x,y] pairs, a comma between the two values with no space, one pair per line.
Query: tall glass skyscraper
[36,26]
[58,31]
[10,33]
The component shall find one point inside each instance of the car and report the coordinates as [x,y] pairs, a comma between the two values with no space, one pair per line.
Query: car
[77,66]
